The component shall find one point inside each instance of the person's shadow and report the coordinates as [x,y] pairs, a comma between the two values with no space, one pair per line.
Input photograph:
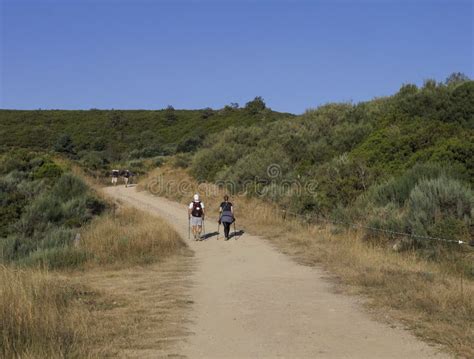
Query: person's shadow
[236,234]
[209,235]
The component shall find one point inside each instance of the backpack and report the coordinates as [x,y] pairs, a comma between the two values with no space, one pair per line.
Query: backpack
[226,206]
[197,209]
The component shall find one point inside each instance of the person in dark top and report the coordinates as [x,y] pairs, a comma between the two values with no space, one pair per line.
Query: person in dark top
[226,215]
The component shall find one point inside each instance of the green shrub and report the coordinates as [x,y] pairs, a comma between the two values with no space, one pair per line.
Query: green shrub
[47,170]
[439,207]
[38,211]
[397,190]
[41,213]
[68,187]
[440,200]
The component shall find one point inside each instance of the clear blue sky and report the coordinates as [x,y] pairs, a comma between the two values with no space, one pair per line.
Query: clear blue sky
[74,54]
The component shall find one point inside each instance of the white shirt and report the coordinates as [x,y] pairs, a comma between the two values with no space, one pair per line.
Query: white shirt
[191,205]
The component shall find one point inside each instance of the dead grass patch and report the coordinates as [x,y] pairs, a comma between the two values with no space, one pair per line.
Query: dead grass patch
[40,316]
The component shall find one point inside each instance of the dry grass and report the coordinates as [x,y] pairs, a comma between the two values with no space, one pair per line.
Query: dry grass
[430,298]
[130,236]
[38,317]
[142,310]
[44,315]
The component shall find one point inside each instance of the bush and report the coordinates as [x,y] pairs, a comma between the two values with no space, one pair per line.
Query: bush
[422,203]
[68,187]
[439,200]
[38,215]
[48,170]
[397,190]
[255,106]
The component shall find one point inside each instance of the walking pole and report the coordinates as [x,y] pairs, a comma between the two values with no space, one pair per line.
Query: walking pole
[235,232]
[203,227]
[218,226]
[189,228]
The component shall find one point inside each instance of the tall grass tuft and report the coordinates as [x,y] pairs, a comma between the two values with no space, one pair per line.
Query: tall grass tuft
[130,236]
[37,319]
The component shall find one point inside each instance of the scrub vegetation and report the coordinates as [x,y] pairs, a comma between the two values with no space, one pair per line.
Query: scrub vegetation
[99,139]
[401,163]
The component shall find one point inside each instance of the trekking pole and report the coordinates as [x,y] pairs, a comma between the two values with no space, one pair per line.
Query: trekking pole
[203,227]
[235,232]
[189,228]
[218,226]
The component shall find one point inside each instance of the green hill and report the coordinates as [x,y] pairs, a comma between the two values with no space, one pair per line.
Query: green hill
[118,134]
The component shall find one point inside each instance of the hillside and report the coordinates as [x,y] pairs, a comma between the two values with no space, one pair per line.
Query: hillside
[116,135]
[401,163]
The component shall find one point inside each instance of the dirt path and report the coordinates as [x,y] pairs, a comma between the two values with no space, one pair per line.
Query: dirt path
[250,301]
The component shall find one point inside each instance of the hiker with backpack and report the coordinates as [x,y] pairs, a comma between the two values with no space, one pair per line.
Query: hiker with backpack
[196,216]
[226,216]
[115,176]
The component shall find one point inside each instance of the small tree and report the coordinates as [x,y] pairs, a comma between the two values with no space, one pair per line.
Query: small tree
[456,78]
[429,84]
[206,113]
[170,114]
[255,106]
[233,106]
